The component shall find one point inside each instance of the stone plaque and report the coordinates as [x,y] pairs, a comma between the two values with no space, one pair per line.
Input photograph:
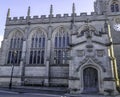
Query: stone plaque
[100,53]
[80,53]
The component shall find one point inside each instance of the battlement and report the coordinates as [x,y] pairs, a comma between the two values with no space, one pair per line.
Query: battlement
[45,19]
[83,14]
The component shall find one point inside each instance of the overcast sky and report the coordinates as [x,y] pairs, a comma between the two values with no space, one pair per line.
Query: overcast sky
[41,7]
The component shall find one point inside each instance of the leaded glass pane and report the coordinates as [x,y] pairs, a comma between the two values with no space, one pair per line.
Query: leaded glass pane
[56,41]
[112,8]
[117,7]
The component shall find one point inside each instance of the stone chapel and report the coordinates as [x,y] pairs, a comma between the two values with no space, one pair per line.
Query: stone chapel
[79,52]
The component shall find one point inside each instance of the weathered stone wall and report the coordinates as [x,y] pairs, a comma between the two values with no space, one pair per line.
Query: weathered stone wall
[59,75]
[5,73]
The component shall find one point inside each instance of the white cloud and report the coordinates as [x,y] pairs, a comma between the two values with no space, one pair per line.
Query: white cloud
[1,38]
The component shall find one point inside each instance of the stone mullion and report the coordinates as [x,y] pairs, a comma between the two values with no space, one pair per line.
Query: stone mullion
[22,59]
[64,57]
[57,42]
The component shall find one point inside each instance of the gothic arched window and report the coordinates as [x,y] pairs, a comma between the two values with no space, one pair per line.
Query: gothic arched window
[61,44]
[15,50]
[37,50]
[114,7]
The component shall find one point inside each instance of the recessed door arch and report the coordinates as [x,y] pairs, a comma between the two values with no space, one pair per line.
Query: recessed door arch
[90,80]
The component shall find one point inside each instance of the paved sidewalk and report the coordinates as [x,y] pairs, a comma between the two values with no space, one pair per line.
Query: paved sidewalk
[46,90]
[27,89]
[89,95]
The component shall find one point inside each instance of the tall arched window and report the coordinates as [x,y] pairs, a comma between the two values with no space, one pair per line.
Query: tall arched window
[37,50]
[61,46]
[114,7]
[15,50]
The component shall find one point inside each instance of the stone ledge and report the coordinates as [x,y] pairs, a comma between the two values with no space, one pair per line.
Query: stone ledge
[73,78]
[109,79]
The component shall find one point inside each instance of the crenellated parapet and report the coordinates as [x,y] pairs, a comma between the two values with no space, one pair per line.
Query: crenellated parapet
[51,18]
[43,19]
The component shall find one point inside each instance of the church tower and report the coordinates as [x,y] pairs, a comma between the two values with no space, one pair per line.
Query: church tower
[107,6]
[111,10]
[99,6]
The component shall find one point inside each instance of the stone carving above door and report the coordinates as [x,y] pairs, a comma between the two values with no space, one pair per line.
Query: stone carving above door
[90,61]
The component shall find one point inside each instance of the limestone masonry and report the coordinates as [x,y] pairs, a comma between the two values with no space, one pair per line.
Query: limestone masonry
[79,52]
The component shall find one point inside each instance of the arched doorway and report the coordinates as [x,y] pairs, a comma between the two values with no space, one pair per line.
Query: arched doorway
[90,80]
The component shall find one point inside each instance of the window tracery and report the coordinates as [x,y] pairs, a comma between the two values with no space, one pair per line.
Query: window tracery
[15,49]
[37,51]
[60,46]
[114,7]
